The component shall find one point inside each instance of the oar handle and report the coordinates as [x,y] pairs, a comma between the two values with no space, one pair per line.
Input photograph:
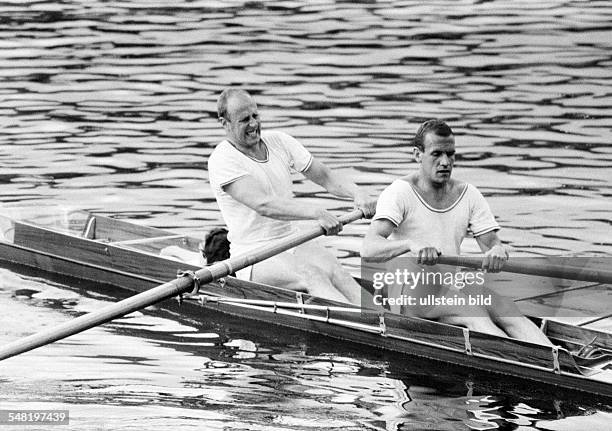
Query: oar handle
[164,291]
[544,269]
[351,217]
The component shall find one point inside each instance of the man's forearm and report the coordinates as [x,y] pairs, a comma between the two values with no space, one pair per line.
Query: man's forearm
[331,181]
[381,249]
[287,209]
[488,240]
[341,187]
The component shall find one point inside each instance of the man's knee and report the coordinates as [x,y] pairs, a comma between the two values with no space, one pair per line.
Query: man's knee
[467,321]
[306,278]
[340,275]
[300,284]
[282,272]
[503,307]
[470,316]
[510,323]
[312,274]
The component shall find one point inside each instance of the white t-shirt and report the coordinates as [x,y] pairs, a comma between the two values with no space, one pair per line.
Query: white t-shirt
[444,229]
[285,156]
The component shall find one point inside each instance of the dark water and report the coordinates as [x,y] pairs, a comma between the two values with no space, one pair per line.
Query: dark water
[110,106]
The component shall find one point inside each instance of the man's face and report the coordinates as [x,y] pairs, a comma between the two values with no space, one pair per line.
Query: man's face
[438,158]
[242,124]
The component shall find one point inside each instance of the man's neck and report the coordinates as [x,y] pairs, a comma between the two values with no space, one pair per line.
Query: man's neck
[257,151]
[438,195]
[435,190]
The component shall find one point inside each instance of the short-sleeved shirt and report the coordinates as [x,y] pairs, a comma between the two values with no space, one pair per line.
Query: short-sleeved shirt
[445,228]
[247,229]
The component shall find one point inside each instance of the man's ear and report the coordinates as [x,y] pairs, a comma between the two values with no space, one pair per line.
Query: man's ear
[223,121]
[416,152]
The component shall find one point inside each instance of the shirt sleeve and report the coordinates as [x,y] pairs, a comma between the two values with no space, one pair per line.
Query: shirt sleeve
[481,217]
[300,158]
[390,206]
[224,169]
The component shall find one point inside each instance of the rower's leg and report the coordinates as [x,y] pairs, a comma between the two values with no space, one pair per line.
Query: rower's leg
[346,284]
[523,329]
[505,313]
[290,271]
[349,287]
[473,317]
[328,265]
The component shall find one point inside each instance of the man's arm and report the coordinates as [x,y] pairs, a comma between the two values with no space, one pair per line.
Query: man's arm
[250,193]
[337,185]
[378,248]
[495,253]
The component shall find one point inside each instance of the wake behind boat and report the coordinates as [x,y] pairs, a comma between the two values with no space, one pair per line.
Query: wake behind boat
[118,253]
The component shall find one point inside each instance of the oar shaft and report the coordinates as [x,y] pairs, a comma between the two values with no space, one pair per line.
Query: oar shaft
[164,291]
[595,319]
[543,269]
[96,318]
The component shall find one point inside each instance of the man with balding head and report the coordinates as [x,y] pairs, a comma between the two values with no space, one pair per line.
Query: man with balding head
[250,174]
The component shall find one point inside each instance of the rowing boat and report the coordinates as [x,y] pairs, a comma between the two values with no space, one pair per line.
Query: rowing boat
[114,252]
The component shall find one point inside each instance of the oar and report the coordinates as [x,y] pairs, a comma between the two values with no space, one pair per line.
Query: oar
[595,319]
[535,268]
[555,293]
[164,291]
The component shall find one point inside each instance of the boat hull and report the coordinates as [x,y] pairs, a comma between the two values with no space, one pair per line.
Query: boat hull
[113,263]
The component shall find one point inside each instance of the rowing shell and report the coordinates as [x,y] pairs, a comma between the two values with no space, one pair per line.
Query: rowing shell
[121,254]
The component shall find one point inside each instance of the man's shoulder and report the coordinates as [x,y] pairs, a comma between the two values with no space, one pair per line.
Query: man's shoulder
[275,135]
[463,190]
[279,140]
[460,186]
[221,152]
[221,147]
[399,187]
[406,182]
[470,189]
